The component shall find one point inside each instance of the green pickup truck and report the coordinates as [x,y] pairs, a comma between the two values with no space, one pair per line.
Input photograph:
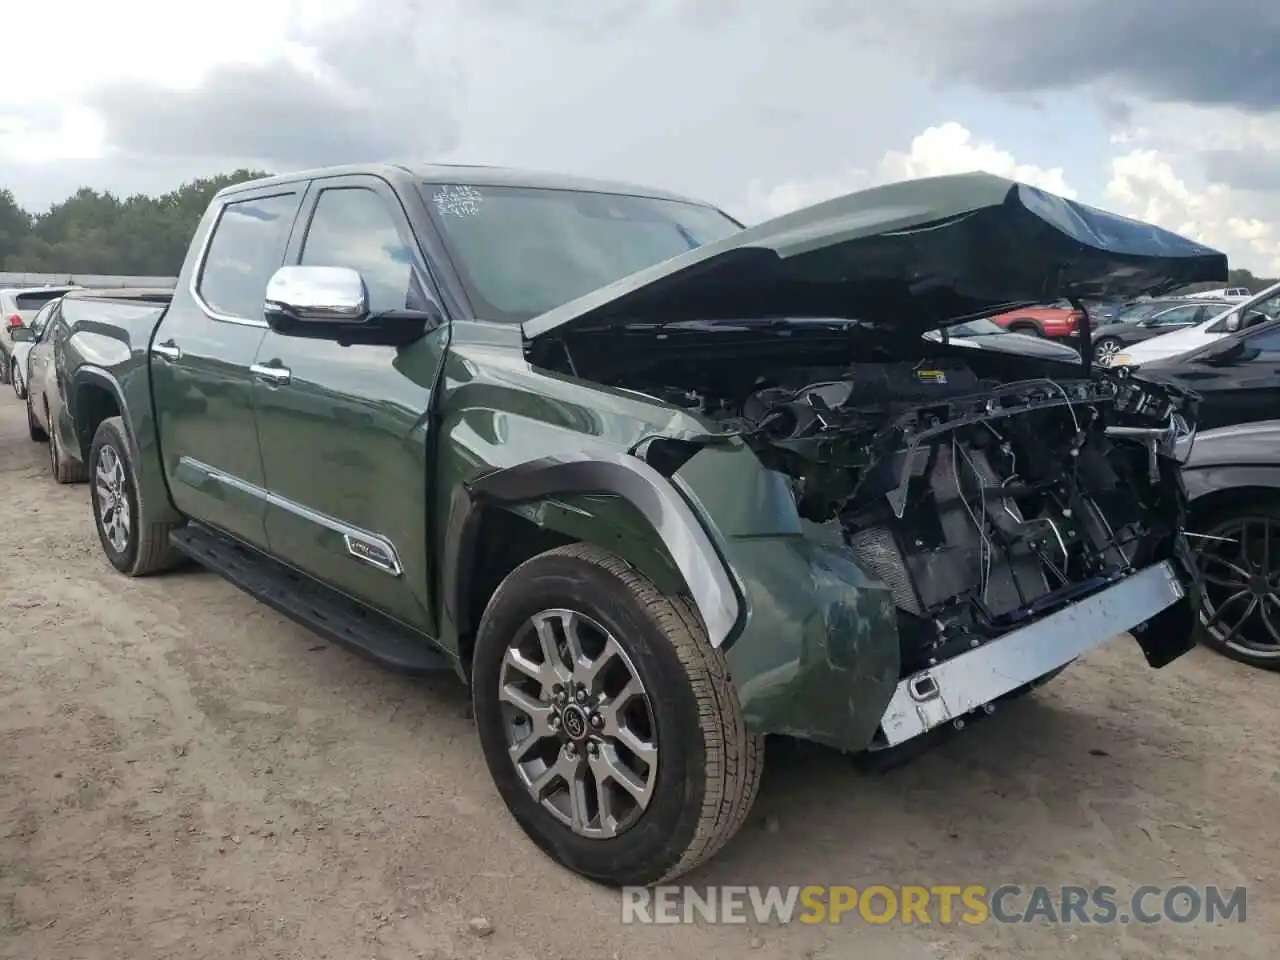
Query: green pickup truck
[653,484]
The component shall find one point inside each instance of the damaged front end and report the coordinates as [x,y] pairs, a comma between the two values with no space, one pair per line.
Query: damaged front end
[991,516]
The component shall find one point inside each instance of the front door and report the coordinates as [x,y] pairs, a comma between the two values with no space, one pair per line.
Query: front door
[1244,385]
[201,356]
[344,429]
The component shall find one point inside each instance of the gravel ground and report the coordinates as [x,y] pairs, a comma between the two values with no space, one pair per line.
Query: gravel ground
[185,774]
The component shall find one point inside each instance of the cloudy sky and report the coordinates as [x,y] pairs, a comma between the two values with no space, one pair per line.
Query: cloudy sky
[1168,110]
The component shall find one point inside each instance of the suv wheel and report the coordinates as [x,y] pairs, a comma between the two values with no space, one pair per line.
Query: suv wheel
[608,721]
[133,541]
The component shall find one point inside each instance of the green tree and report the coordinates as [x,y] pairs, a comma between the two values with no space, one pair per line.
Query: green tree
[92,232]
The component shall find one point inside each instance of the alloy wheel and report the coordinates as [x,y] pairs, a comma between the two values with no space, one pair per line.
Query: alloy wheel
[1106,351]
[113,501]
[580,727]
[1242,587]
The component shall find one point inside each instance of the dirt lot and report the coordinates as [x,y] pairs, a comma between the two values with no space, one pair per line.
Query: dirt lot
[185,774]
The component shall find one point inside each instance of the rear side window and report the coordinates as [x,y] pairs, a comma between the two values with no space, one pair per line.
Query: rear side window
[246,248]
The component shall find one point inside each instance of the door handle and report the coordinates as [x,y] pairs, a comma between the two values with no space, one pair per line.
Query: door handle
[169,350]
[270,374]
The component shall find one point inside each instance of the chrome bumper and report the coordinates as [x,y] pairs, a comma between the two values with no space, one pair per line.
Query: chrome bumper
[971,680]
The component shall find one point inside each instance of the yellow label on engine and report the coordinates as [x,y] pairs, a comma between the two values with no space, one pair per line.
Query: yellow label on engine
[932,376]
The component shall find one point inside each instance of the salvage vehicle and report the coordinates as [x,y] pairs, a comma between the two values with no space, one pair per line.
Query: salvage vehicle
[18,307]
[654,485]
[1232,477]
[1119,336]
[1218,324]
[23,338]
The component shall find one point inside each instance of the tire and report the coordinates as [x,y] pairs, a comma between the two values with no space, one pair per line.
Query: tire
[1244,647]
[1105,349]
[15,378]
[708,765]
[146,548]
[64,470]
[5,367]
[33,428]
[1029,327]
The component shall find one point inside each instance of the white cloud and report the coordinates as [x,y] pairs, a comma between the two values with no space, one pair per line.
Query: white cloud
[1144,185]
[946,148]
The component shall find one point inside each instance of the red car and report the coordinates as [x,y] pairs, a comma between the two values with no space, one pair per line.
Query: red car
[1057,321]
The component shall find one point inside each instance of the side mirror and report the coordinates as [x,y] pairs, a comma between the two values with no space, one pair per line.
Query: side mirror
[21,334]
[306,295]
[332,303]
[1233,322]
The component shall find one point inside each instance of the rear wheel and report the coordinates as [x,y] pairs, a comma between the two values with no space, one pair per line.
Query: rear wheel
[33,428]
[1240,562]
[15,377]
[134,542]
[5,367]
[64,469]
[608,721]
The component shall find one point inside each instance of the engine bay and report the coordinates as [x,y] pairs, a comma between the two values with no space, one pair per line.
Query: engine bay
[981,503]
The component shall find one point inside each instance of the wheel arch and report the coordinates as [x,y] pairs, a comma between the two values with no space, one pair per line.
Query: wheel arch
[1209,488]
[95,395]
[617,502]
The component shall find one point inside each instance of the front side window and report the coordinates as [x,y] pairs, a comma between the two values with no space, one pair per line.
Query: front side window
[41,319]
[247,247]
[353,227]
[1178,316]
[521,251]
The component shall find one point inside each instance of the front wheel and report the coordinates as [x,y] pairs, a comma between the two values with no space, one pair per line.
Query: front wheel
[15,377]
[1240,616]
[608,721]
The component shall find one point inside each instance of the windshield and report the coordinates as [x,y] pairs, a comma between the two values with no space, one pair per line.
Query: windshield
[521,251]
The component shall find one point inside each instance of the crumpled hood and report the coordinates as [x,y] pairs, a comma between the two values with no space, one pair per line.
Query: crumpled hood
[914,256]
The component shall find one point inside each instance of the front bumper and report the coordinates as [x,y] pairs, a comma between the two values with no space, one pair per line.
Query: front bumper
[968,682]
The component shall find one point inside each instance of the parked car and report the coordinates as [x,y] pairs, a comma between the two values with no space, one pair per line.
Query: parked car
[1119,336]
[1137,310]
[987,335]
[652,484]
[1233,480]
[1252,312]
[48,417]
[18,306]
[1058,321]
[22,345]
[1237,378]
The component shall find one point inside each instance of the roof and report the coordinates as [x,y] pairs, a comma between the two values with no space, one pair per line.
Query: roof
[471,174]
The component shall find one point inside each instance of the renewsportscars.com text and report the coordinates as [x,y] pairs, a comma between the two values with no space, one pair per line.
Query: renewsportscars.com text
[930,905]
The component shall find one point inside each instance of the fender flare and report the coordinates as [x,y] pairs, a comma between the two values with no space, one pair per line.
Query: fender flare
[1202,480]
[98,378]
[714,591]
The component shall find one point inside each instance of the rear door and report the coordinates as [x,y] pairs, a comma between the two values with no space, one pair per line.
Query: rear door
[344,429]
[201,355]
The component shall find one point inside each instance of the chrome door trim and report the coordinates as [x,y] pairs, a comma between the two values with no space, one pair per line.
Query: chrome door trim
[369,548]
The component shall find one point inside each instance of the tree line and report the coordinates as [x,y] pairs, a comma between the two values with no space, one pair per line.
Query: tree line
[101,233]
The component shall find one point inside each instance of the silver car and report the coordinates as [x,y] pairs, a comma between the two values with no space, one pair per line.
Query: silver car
[18,307]
[22,349]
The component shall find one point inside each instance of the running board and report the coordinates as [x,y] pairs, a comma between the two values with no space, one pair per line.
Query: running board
[310,603]
[952,690]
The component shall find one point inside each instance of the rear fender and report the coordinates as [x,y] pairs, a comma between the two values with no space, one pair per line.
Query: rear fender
[139,428]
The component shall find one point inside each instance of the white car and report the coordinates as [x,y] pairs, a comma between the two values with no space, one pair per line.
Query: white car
[18,307]
[22,349]
[1257,309]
